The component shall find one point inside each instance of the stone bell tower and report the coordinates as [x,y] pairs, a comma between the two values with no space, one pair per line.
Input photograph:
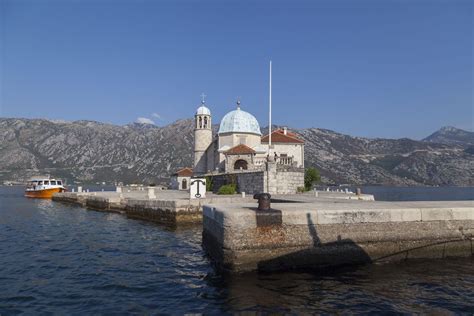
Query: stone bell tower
[202,137]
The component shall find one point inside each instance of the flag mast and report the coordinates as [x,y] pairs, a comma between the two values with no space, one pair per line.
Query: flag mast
[270,112]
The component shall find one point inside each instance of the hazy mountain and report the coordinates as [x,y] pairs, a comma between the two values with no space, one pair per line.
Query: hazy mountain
[452,136]
[90,151]
[345,159]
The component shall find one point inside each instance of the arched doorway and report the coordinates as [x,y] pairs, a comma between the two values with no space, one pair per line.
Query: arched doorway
[240,164]
[184,184]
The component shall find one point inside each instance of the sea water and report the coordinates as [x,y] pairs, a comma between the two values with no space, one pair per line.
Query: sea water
[56,258]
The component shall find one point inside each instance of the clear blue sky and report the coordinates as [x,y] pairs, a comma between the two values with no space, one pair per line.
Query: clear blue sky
[367,68]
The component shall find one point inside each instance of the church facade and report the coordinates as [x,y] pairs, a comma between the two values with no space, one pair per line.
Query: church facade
[239,145]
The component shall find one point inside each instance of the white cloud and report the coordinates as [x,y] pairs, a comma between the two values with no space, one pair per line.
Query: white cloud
[156,115]
[144,120]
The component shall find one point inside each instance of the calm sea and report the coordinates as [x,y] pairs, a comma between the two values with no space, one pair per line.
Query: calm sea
[67,260]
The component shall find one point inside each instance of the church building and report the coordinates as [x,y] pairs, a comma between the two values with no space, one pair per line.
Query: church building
[261,163]
[239,144]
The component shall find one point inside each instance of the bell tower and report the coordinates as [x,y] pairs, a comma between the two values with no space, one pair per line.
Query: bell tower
[202,137]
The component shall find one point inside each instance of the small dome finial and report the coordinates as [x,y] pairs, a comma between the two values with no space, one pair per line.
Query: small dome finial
[203,98]
[238,103]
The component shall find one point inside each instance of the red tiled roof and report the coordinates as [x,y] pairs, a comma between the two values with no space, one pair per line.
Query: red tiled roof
[185,172]
[279,136]
[240,150]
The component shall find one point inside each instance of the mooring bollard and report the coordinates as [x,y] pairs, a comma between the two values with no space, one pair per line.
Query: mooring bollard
[358,191]
[264,201]
[79,189]
[316,193]
[243,195]
[118,189]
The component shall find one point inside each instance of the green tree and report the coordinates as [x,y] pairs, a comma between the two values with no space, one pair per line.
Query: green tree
[311,176]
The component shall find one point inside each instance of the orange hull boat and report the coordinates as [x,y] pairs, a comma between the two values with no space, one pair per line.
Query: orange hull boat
[43,188]
[43,194]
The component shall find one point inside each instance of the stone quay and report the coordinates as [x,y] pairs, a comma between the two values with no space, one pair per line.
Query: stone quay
[171,207]
[321,233]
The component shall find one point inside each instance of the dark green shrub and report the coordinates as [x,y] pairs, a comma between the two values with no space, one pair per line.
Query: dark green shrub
[209,184]
[311,176]
[227,189]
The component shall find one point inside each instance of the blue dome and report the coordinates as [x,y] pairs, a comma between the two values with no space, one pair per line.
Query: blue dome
[239,121]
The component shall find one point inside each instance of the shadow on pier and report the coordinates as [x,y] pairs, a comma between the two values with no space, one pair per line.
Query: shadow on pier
[320,256]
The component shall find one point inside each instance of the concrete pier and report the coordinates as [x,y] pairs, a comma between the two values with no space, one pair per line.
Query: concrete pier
[170,206]
[167,206]
[327,232]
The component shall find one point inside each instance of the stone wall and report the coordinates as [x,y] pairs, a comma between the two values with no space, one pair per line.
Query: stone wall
[248,182]
[164,211]
[284,179]
[277,180]
[326,234]
[251,182]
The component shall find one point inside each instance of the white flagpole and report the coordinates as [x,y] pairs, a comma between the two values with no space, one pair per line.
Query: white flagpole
[270,112]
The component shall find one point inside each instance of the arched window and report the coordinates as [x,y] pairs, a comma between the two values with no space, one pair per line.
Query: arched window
[184,184]
[200,122]
[240,164]
[205,122]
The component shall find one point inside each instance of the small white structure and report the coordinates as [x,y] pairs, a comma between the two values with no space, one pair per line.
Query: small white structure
[180,180]
[151,193]
[197,188]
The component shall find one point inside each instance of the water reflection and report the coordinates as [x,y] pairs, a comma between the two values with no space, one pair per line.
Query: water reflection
[405,287]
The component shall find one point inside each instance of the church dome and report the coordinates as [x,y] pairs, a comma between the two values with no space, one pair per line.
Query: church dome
[203,110]
[239,121]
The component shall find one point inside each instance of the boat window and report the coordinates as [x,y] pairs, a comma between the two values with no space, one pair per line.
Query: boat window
[40,182]
[53,182]
[59,182]
[46,182]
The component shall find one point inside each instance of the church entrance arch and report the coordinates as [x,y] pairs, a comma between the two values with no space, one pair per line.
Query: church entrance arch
[240,164]
[184,184]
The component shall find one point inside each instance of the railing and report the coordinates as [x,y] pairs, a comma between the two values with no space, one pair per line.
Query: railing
[287,161]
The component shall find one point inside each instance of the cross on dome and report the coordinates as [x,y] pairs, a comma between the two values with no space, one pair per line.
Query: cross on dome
[203,110]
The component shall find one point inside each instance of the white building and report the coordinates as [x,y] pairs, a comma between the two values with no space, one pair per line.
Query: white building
[239,144]
[181,179]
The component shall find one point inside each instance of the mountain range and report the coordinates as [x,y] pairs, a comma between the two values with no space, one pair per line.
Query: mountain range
[89,151]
